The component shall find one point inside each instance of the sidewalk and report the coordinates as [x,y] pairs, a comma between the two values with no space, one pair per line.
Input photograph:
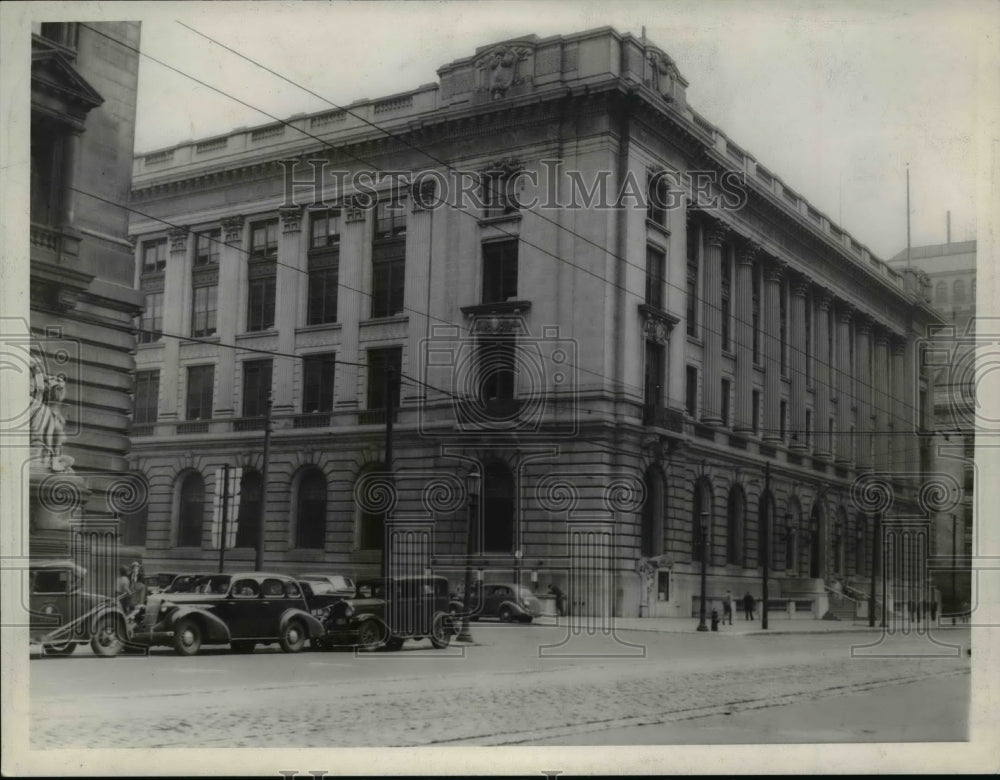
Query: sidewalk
[741,627]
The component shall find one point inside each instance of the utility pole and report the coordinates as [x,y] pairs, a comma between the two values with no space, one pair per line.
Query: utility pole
[703,519]
[259,564]
[876,527]
[390,372]
[766,533]
[225,512]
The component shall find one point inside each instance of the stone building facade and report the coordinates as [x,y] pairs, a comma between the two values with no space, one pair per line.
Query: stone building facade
[625,373]
[83,302]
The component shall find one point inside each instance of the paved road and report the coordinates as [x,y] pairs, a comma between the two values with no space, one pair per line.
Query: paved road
[519,684]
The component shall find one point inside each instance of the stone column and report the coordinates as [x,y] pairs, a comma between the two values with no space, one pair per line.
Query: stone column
[797,345]
[863,330]
[176,295]
[416,292]
[902,387]
[352,306]
[290,273]
[743,337]
[881,402]
[712,331]
[844,395]
[823,374]
[232,279]
[771,349]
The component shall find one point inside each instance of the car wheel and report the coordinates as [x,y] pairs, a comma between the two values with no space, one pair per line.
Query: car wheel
[106,641]
[441,631]
[63,649]
[242,645]
[187,637]
[369,635]
[505,614]
[293,636]
[394,643]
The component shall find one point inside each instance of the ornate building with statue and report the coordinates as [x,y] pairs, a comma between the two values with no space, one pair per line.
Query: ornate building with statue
[80,342]
[613,346]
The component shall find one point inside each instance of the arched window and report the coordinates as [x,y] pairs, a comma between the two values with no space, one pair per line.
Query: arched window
[941,292]
[498,508]
[310,526]
[248,518]
[840,543]
[766,530]
[735,518]
[701,538]
[371,525]
[191,510]
[958,291]
[133,522]
[652,514]
[792,519]
[815,539]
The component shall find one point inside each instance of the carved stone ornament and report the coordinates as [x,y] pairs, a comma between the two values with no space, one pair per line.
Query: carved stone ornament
[353,212]
[656,331]
[178,239]
[291,219]
[232,229]
[659,74]
[499,70]
[487,326]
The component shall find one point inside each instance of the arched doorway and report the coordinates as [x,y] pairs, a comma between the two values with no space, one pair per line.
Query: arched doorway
[735,521]
[817,537]
[651,541]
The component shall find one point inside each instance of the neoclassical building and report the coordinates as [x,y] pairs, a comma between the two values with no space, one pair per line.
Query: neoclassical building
[575,287]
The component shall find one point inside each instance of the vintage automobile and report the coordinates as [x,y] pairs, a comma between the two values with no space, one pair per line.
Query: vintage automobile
[67,611]
[335,584]
[506,601]
[240,610]
[385,613]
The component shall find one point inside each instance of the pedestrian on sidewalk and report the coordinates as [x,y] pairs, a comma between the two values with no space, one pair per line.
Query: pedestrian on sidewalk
[748,605]
[727,607]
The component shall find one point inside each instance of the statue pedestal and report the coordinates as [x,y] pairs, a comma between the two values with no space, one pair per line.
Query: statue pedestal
[56,499]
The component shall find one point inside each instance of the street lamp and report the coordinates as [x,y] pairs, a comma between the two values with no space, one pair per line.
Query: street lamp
[704,571]
[472,481]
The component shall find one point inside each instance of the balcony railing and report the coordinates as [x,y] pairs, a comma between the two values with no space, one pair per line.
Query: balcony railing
[142,429]
[311,420]
[662,417]
[200,426]
[249,424]
[375,416]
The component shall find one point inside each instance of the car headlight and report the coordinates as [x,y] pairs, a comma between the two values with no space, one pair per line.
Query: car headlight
[348,610]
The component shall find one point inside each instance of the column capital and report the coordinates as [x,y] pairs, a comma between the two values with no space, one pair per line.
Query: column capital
[747,253]
[881,335]
[232,229]
[845,312]
[715,233]
[774,270]
[178,239]
[897,345]
[799,285]
[291,218]
[863,324]
[822,298]
[353,212]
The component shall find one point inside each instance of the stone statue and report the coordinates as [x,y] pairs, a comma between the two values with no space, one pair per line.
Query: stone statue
[47,423]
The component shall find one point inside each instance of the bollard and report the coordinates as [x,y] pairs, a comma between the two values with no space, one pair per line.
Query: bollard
[715,620]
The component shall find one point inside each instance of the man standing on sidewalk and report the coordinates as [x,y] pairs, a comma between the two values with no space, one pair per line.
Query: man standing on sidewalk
[727,607]
[748,605]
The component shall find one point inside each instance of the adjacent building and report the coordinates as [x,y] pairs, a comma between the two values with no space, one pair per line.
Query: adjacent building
[83,301]
[608,339]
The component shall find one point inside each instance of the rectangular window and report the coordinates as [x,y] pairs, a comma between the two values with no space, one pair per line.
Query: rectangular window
[154,255]
[656,198]
[809,425]
[323,282]
[264,240]
[726,384]
[755,411]
[324,230]
[496,366]
[260,301]
[498,195]
[390,219]
[389,258]
[653,395]
[201,381]
[499,271]
[256,387]
[656,269]
[830,434]
[147,397]
[725,300]
[380,361]
[691,391]
[203,312]
[317,382]
[208,247]
[151,322]
[783,419]
[693,236]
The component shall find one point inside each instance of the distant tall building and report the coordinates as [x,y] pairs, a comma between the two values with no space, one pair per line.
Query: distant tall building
[951,268]
[670,343]
[83,304]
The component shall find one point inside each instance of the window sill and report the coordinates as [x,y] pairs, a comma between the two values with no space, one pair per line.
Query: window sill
[498,219]
[256,334]
[213,339]
[661,229]
[500,307]
[321,327]
[385,320]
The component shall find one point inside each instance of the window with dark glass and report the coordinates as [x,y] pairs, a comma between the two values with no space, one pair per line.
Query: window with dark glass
[498,508]
[701,535]
[151,321]
[693,235]
[734,526]
[324,268]
[256,387]
[389,258]
[147,397]
[317,383]
[310,526]
[651,538]
[725,301]
[200,385]
[808,427]
[203,310]
[809,339]
[497,193]
[653,382]
[154,255]
[371,525]
[251,505]
[656,198]
[264,240]
[691,391]
[755,411]
[656,263]
[207,247]
[755,313]
[783,324]
[47,150]
[783,419]
[260,298]
[380,361]
[726,385]
[191,515]
[497,366]
[499,271]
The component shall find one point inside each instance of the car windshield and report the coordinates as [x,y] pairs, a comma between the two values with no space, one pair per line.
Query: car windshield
[329,583]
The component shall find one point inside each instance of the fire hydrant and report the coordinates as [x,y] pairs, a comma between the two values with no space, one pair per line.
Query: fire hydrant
[715,620]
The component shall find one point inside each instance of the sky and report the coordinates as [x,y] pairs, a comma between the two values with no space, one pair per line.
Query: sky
[835,98]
